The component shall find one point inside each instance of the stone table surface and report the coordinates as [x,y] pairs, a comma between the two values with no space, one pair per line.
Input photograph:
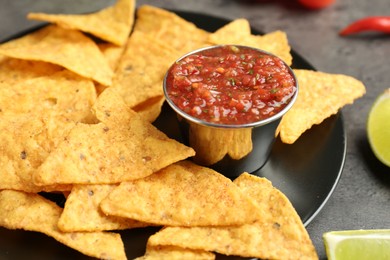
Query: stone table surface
[361,199]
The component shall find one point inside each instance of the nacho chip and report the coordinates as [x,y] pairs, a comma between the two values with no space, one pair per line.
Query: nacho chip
[121,147]
[182,194]
[320,96]
[232,33]
[68,48]
[150,109]
[16,70]
[82,211]
[26,141]
[279,234]
[112,24]
[32,212]
[170,28]
[274,42]
[142,68]
[62,93]
[112,53]
[175,253]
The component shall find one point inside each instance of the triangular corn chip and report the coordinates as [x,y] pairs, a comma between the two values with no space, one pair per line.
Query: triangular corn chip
[320,96]
[170,28]
[62,93]
[279,234]
[32,212]
[82,211]
[232,33]
[175,253]
[68,48]
[112,24]
[121,147]
[141,70]
[274,42]
[16,70]
[182,194]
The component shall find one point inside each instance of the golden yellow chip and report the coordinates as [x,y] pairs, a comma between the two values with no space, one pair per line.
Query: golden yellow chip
[16,70]
[279,234]
[320,96]
[121,147]
[182,194]
[150,109]
[112,24]
[68,48]
[112,53]
[32,212]
[62,93]
[232,33]
[142,68]
[274,42]
[26,141]
[170,28]
[82,211]
[175,253]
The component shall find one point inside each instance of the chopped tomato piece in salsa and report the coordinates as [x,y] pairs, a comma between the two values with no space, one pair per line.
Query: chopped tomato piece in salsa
[230,85]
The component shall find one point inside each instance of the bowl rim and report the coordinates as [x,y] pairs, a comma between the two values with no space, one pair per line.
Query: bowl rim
[262,122]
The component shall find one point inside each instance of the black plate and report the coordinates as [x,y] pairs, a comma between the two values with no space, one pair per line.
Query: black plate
[307,172]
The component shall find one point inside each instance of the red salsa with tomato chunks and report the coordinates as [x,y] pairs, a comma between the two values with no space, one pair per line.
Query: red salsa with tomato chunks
[230,85]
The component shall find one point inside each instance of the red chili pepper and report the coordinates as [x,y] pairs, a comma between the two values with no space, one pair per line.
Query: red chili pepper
[371,23]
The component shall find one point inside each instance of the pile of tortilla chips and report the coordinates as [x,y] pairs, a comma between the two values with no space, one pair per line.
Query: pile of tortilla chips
[75,119]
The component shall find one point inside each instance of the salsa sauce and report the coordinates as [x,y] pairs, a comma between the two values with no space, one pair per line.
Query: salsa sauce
[230,85]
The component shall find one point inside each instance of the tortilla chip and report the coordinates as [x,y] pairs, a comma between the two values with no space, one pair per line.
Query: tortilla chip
[320,96]
[26,141]
[142,68]
[112,53]
[175,253]
[32,212]
[68,48]
[231,33]
[275,42]
[278,234]
[112,24]
[82,211]
[121,147]
[16,70]
[170,28]
[150,109]
[62,93]
[182,194]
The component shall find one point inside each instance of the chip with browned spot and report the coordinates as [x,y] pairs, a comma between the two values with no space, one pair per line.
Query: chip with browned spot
[32,212]
[82,211]
[320,96]
[278,234]
[182,194]
[120,147]
[142,67]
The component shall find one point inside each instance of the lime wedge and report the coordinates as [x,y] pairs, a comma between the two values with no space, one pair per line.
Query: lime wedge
[358,244]
[378,127]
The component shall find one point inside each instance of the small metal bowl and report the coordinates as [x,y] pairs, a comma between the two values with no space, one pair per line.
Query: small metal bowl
[230,149]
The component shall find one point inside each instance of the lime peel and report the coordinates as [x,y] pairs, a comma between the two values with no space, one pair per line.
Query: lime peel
[378,127]
[358,244]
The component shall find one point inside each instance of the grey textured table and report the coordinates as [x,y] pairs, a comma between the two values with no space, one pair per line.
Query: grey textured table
[362,197]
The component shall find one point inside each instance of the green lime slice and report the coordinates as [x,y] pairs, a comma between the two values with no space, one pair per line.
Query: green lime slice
[358,244]
[378,127]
